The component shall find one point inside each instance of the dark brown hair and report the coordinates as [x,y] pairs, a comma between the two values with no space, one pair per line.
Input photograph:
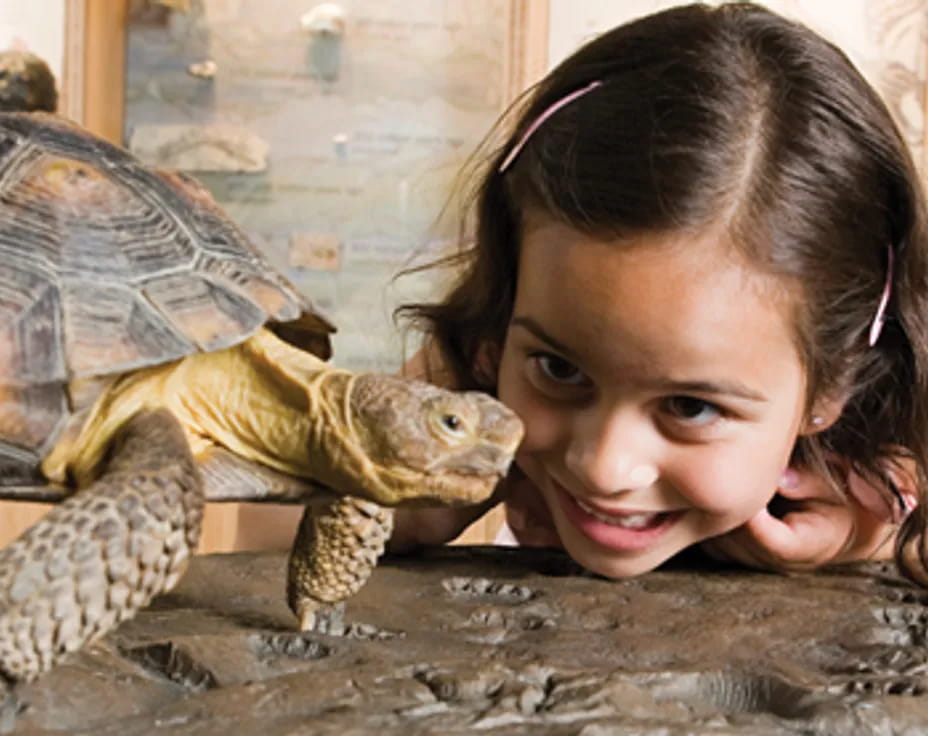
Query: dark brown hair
[730,114]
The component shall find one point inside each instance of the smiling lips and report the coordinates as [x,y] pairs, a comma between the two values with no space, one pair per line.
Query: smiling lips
[618,531]
[640,520]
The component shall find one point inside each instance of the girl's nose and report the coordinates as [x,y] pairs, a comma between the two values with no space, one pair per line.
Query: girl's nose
[613,454]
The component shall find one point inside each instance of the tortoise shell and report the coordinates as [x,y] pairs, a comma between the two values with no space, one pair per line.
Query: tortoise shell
[107,266]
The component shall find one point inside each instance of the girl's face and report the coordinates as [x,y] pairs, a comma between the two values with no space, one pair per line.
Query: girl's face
[659,385]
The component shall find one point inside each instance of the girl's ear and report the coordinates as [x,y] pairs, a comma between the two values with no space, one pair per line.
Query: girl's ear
[825,412]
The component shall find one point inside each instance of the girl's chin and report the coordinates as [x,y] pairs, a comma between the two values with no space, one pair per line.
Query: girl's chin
[613,569]
[611,564]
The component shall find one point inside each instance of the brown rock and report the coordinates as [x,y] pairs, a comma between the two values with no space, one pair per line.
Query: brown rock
[501,641]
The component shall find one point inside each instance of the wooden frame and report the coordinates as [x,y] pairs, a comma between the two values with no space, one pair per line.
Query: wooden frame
[93,84]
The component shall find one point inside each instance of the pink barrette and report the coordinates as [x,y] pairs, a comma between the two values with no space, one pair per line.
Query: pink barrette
[566,100]
[880,317]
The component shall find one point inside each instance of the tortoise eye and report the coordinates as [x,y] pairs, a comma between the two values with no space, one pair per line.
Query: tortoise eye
[450,425]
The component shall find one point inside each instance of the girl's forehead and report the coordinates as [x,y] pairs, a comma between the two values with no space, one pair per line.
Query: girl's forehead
[704,256]
[590,257]
[672,299]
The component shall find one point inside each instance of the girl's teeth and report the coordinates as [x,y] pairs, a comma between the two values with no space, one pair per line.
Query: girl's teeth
[628,521]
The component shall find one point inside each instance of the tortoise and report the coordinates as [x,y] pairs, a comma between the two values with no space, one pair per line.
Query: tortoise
[151,359]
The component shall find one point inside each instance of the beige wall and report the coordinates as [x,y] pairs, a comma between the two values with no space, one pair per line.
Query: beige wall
[36,25]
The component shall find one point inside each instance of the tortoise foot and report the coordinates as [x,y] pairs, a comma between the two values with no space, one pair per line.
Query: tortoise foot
[323,619]
[93,561]
[333,555]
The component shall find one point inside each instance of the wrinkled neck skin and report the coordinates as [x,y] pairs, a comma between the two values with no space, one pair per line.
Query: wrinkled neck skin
[335,437]
[264,400]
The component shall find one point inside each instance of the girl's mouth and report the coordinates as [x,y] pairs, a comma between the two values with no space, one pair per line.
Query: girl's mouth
[618,531]
[627,521]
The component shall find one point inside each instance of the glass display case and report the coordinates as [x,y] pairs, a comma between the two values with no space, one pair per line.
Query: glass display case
[332,133]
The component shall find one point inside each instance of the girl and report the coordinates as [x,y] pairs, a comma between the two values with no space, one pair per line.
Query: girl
[699,276]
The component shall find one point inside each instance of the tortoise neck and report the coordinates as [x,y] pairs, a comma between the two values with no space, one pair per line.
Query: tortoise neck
[263,399]
[285,401]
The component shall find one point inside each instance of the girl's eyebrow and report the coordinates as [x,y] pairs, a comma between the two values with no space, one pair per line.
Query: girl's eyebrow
[734,389]
[725,387]
[527,323]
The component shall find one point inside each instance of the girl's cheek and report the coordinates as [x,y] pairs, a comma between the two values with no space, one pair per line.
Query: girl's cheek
[724,484]
[544,425]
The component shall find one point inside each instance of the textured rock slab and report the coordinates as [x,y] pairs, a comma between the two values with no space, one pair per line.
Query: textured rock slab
[502,641]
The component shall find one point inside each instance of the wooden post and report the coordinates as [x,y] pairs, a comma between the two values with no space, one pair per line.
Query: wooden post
[104,72]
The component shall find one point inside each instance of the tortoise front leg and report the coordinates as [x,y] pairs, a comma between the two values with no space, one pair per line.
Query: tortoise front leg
[335,551]
[97,558]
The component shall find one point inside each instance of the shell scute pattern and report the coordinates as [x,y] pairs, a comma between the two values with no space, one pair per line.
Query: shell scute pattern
[30,418]
[107,266]
[115,329]
[30,310]
[208,315]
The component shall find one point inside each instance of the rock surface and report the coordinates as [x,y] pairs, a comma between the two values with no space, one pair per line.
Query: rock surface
[505,641]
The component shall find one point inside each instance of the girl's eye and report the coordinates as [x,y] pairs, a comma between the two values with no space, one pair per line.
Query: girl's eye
[558,370]
[692,411]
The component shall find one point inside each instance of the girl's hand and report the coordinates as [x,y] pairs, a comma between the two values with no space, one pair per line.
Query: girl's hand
[808,524]
[433,526]
[527,514]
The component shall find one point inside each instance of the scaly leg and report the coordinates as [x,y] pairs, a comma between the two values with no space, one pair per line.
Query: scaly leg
[335,551]
[103,554]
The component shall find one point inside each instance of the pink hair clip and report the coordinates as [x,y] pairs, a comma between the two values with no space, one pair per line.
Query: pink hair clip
[565,100]
[880,317]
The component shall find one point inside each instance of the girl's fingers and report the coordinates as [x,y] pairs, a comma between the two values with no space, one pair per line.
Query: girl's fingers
[815,525]
[774,535]
[870,498]
[799,484]
[812,535]
[528,515]
[806,485]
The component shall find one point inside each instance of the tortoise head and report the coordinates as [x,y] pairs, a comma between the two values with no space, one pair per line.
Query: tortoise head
[429,444]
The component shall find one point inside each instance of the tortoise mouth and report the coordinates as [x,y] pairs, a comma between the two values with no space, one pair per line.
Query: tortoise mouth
[450,488]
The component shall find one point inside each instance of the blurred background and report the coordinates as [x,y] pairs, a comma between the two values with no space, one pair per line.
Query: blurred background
[333,133]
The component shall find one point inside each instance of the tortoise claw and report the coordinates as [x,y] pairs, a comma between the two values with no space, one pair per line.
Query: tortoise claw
[323,618]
